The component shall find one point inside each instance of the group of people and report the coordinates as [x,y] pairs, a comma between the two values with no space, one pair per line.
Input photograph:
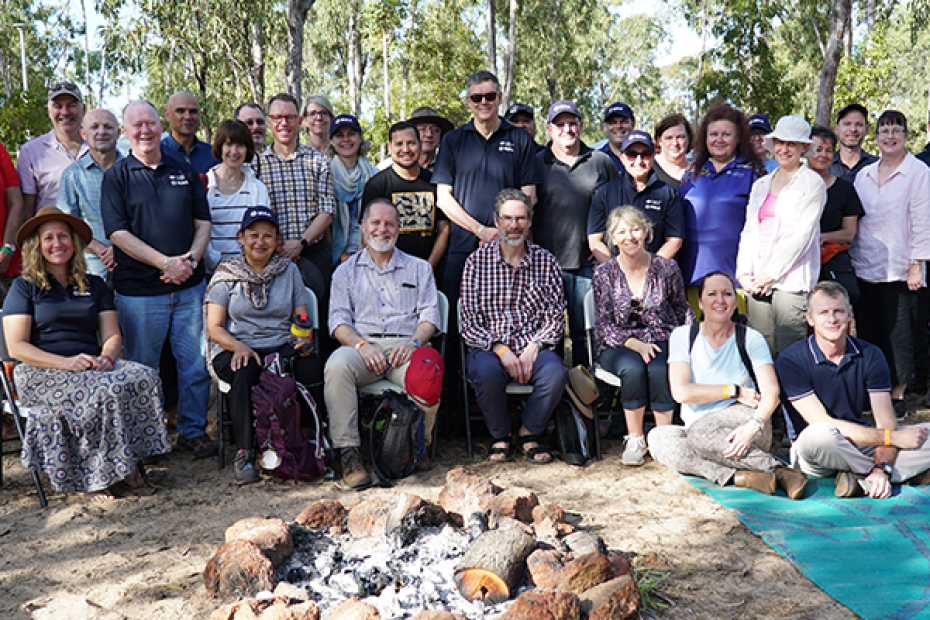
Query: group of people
[214,250]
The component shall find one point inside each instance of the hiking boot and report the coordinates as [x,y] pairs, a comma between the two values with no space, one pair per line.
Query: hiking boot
[900,408]
[847,485]
[244,468]
[426,463]
[202,446]
[354,474]
[762,481]
[634,450]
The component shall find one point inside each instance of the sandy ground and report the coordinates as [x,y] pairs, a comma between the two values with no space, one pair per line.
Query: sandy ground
[142,556]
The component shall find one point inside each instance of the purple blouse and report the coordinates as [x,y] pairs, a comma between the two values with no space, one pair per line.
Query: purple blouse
[662,308]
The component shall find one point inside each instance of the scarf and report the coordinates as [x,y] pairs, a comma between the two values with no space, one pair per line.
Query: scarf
[347,188]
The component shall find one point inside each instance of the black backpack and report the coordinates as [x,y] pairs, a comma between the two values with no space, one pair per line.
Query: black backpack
[569,439]
[398,440]
[740,345]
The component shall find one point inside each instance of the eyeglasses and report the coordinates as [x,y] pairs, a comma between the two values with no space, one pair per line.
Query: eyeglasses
[891,131]
[282,118]
[316,114]
[635,305]
[507,221]
[634,155]
[488,97]
[254,121]
[565,126]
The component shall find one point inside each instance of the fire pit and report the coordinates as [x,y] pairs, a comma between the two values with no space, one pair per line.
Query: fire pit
[479,552]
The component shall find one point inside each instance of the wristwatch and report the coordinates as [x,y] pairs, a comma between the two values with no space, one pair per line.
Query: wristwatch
[736,390]
[193,262]
[304,243]
[885,467]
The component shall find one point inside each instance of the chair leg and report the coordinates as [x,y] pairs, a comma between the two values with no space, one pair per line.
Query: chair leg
[221,427]
[468,439]
[597,434]
[18,423]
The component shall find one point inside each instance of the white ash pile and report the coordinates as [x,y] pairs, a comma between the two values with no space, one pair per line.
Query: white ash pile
[467,556]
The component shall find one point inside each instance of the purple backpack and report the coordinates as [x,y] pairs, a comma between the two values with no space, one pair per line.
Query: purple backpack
[276,408]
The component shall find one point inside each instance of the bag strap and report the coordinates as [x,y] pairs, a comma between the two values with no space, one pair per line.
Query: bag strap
[383,480]
[321,444]
[740,346]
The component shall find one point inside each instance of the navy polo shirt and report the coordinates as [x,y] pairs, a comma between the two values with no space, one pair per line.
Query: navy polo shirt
[159,207]
[804,370]
[660,201]
[478,169]
[613,157]
[200,156]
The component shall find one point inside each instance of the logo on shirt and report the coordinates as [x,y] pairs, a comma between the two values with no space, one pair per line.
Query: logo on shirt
[177,180]
[505,146]
[653,205]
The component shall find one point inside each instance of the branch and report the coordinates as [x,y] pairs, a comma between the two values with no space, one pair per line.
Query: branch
[820,43]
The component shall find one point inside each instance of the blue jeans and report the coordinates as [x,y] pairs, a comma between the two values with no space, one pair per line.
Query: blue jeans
[577,283]
[643,384]
[147,322]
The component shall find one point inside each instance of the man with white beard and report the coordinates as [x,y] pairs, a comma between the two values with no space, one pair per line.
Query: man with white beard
[383,307]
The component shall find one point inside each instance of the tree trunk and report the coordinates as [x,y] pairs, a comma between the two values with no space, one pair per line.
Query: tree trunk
[493,565]
[492,38]
[385,40]
[511,53]
[87,85]
[101,86]
[5,71]
[849,35]
[293,64]
[869,17]
[700,69]
[354,63]
[831,61]
[551,82]
[257,74]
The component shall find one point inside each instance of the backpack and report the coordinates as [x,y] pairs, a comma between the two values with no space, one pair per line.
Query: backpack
[276,409]
[740,346]
[569,439]
[398,439]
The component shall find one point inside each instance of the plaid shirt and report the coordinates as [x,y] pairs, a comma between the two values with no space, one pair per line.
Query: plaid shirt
[512,305]
[300,188]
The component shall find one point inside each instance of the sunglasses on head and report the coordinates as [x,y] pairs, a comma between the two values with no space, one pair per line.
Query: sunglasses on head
[478,97]
[635,305]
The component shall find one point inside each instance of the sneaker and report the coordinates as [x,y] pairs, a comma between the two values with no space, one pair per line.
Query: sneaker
[244,468]
[634,450]
[202,446]
[900,408]
[354,474]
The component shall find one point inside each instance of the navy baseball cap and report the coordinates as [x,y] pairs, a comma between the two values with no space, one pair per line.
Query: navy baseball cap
[518,108]
[760,121]
[619,109]
[637,136]
[853,107]
[253,214]
[562,107]
[343,120]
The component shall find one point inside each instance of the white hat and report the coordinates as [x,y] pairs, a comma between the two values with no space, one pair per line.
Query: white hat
[790,129]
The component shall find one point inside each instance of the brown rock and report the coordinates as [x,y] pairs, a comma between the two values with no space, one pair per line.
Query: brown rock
[238,568]
[354,609]
[282,611]
[401,509]
[247,609]
[546,529]
[614,599]
[619,565]
[434,515]
[515,502]
[582,543]
[432,614]
[367,518]
[565,529]
[291,593]
[507,523]
[545,568]
[466,493]
[548,511]
[324,513]
[272,536]
[585,572]
[544,605]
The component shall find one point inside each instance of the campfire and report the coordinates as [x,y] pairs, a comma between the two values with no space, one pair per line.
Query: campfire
[478,552]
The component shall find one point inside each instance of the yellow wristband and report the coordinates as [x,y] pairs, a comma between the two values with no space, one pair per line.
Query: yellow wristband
[887,436]
[502,349]
[360,344]
[726,391]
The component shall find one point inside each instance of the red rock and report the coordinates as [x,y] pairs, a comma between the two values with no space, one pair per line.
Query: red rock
[565,529]
[272,536]
[548,511]
[247,609]
[545,568]
[585,572]
[507,523]
[367,518]
[544,605]
[515,502]
[326,513]
[466,493]
[546,529]
[619,565]
[281,611]
[434,515]
[354,609]
[431,614]
[238,568]
[616,599]
[291,593]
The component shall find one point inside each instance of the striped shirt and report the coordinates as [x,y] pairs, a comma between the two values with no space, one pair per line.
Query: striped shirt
[226,211]
[512,305]
[300,187]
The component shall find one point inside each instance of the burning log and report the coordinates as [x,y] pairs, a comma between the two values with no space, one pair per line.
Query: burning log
[494,564]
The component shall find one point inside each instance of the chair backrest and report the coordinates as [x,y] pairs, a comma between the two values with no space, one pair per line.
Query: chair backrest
[313,308]
[589,310]
[443,311]
[4,352]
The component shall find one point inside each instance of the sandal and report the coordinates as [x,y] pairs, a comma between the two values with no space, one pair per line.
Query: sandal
[533,451]
[506,451]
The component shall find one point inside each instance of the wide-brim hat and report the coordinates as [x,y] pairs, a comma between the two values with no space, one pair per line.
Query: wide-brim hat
[49,214]
[426,114]
[790,129]
[582,389]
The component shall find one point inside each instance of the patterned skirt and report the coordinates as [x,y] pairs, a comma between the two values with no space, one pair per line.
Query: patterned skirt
[88,430]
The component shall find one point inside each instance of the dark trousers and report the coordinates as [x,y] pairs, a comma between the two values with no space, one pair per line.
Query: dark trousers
[643,384]
[886,314]
[306,370]
[490,379]
[922,338]
[316,269]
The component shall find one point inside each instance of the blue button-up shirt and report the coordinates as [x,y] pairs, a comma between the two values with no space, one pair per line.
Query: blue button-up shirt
[79,195]
[200,156]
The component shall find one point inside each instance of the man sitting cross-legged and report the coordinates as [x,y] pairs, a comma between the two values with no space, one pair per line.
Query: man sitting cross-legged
[824,378]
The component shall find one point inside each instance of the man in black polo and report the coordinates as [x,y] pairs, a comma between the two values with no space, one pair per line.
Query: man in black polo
[852,126]
[424,229]
[522,116]
[825,379]
[155,212]
[571,172]
[618,122]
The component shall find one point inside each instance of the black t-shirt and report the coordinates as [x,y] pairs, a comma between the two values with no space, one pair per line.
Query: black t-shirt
[665,177]
[159,207]
[416,205]
[64,321]
[560,220]
[842,201]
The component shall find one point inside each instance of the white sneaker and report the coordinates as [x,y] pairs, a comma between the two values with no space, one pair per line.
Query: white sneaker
[633,451]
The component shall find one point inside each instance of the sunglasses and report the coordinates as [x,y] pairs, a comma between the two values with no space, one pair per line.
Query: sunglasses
[488,97]
[632,155]
[635,305]
[254,121]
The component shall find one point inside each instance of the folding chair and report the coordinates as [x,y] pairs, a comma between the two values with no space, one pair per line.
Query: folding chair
[11,406]
[224,423]
[596,369]
[376,389]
